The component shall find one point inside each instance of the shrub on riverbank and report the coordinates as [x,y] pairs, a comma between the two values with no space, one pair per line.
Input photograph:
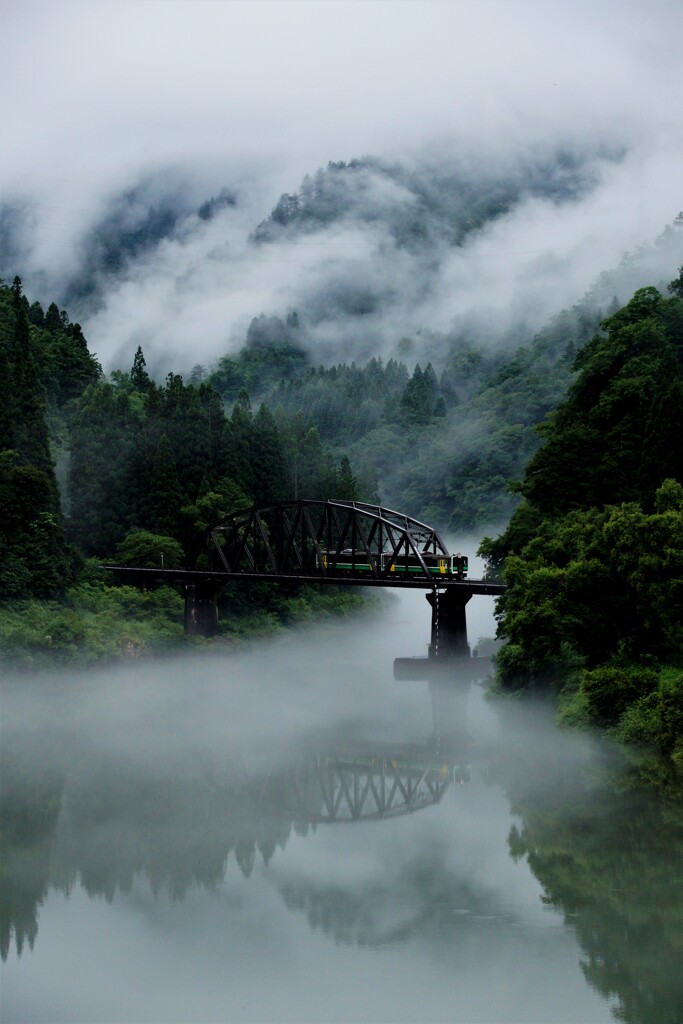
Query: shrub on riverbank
[97,623]
[656,719]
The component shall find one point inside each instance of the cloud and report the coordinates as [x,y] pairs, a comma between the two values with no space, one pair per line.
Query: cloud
[254,96]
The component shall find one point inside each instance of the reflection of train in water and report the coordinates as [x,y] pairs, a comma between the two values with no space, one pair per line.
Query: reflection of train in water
[451,566]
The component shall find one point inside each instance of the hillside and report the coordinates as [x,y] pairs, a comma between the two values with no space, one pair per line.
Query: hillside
[593,555]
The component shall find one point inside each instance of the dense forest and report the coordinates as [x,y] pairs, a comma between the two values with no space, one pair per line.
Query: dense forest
[442,442]
[126,469]
[593,555]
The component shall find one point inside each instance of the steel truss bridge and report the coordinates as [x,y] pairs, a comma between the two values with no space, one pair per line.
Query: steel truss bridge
[345,543]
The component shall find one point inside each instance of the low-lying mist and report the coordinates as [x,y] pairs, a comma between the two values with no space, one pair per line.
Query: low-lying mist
[210,801]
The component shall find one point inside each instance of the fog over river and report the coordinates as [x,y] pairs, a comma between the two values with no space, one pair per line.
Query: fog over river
[179,844]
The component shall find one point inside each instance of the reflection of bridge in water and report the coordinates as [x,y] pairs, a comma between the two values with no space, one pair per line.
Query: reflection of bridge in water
[90,811]
[374,780]
[344,543]
[346,787]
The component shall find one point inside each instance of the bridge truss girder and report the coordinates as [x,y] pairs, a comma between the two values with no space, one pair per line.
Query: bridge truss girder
[310,538]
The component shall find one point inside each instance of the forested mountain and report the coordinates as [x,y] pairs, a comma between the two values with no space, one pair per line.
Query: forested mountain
[373,255]
[441,441]
[168,460]
[593,556]
[444,436]
[142,470]
[426,205]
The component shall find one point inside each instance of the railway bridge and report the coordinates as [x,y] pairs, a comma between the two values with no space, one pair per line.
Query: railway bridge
[344,543]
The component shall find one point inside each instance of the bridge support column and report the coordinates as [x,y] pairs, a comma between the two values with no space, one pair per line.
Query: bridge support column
[449,624]
[201,610]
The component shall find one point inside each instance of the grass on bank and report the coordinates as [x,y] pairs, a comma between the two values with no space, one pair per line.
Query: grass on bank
[98,623]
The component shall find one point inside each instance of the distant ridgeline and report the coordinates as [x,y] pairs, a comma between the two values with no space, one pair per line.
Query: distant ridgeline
[422,207]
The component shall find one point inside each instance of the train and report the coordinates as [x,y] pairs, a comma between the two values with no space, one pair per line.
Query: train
[455,566]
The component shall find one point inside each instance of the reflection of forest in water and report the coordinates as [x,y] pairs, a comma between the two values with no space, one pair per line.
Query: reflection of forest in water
[608,854]
[75,812]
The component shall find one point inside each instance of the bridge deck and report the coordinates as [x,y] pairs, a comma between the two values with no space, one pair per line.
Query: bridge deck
[214,578]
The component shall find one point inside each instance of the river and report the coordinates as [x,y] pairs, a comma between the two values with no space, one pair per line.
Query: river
[290,834]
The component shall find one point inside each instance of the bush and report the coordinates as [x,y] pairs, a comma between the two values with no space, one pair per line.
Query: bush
[656,719]
[149,550]
[611,689]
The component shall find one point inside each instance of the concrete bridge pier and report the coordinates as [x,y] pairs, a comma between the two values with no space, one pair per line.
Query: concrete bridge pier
[449,624]
[201,610]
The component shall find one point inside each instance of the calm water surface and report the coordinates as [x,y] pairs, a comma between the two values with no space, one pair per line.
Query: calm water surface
[293,835]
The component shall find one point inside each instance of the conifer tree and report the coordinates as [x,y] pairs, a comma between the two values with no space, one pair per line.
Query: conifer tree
[6,399]
[164,498]
[346,486]
[139,378]
[30,438]
[267,459]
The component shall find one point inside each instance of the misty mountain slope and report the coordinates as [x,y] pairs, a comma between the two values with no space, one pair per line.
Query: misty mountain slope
[443,440]
[133,224]
[391,240]
[127,229]
[442,447]
[367,253]
[438,201]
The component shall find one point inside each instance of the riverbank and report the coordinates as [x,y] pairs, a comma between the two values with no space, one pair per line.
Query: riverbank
[97,624]
[647,731]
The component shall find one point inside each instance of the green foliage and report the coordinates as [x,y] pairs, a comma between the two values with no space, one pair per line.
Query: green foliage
[611,439]
[94,624]
[149,551]
[444,445]
[44,365]
[593,558]
[598,584]
[272,354]
[148,458]
[164,496]
[34,558]
[656,718]
[97,622]
[609,690]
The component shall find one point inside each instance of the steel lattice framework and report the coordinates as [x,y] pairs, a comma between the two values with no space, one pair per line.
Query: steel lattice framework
[335,789]
[308,539]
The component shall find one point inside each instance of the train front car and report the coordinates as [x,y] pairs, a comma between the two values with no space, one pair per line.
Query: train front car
[459,566]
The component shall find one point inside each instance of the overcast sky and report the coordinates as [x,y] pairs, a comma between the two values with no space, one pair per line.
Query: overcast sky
[93,89]
[263,92]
